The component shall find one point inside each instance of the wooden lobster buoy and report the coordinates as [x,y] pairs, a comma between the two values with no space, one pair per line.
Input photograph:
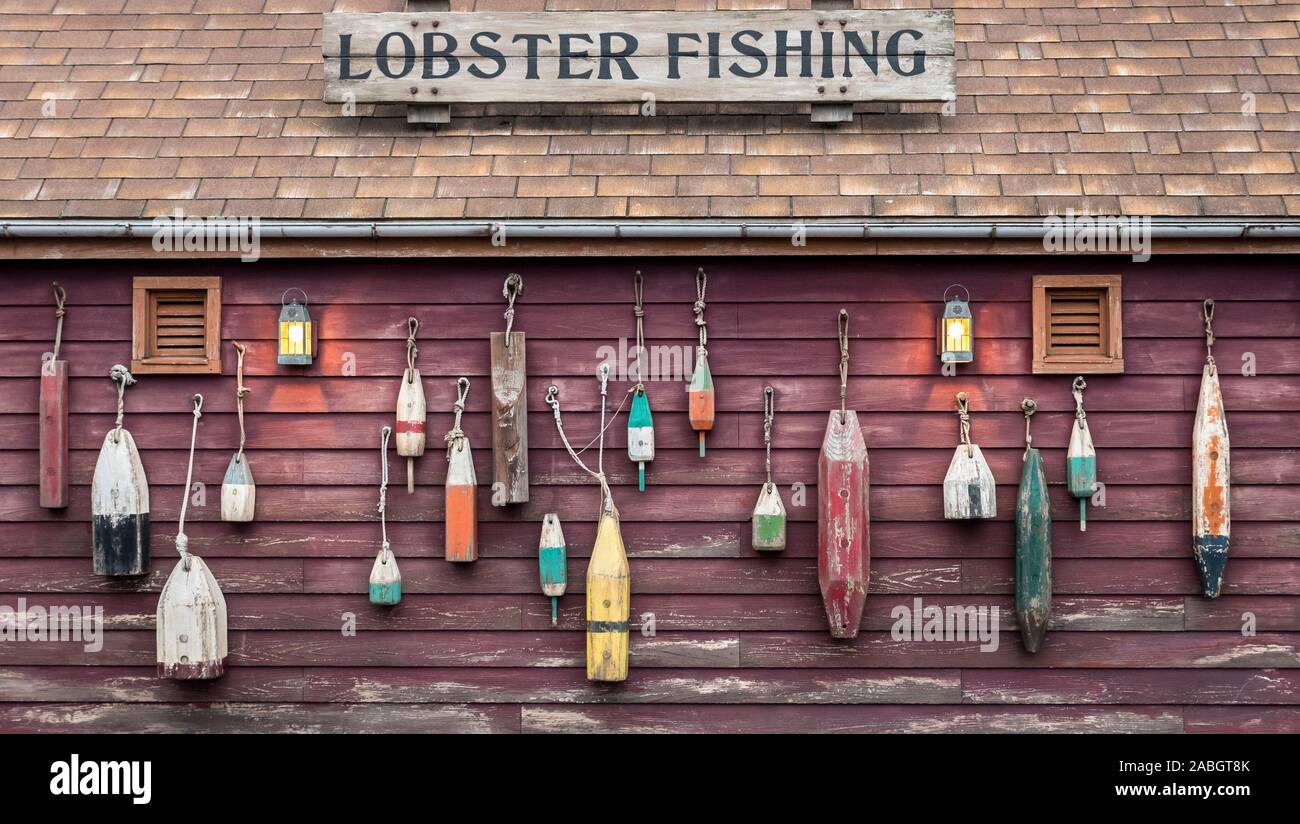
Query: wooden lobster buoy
[768,521]
[1033,544]
[1211,473]
[410,409]
[553,562]
[191,618]
[54,416]
[608,574]
[969,490]
[1081,459]
[509,407]
[461,510]
[238,492]
[119,497]
[385,578]
[701,398]
[640,423]
[843,523]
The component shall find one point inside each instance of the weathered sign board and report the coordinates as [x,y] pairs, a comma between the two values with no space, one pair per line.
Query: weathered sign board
[688,57]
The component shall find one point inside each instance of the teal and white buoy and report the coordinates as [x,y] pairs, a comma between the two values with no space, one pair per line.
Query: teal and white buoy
[640,423]
[1081,460]
[551,558]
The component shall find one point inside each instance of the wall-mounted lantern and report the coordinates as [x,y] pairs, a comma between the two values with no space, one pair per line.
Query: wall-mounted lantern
[956,331]
[295,331]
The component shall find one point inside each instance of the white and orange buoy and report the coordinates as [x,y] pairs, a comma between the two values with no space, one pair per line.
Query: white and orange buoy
[411,409]
[700,392]
[1211,473]
[461,513]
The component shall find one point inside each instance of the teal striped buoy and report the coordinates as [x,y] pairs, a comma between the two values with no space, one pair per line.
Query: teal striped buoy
[640,434]
[552,560]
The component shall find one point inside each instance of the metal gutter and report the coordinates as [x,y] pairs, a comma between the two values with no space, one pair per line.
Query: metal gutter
[913,229]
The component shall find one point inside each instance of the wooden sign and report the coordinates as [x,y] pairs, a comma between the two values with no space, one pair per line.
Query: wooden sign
[1211,473]
[54,417]
[1033,544]
[671,56]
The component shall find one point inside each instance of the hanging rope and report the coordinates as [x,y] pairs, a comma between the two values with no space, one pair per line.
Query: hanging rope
[963,413]
[455,439]
[60,298]
[844,363]
[553,400]
[241,392]
[383,489]
[769,405]
[638,311]
[412,351]
[1029,407]
[182,540]
[123,379]
[701,284]
[1207,311]
[513,288]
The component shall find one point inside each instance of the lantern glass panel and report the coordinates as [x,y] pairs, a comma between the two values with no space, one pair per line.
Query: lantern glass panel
[956,333]
[295,335]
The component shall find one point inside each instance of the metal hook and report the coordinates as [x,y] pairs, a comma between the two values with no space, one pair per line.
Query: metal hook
[956,286]
[294,289]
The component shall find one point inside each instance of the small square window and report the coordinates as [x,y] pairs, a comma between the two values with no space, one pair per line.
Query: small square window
[176,325]
[1078,324]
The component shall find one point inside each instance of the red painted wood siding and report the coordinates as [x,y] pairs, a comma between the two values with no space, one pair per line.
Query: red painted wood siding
[1134,647]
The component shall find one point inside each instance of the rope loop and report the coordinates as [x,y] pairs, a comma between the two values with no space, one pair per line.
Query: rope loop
[60,298]
[769,414]
[1028,406]
[963,414]
[455,439]
[182,541]
[384,434]
[1207,312]
[1077,390]
[843,328]
[638,312]
[241,392]
[513,288]
[412,351]
[701,285]
[123,379]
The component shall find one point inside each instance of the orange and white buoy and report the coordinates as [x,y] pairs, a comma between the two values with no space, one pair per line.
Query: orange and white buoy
[462,487]
[701,388]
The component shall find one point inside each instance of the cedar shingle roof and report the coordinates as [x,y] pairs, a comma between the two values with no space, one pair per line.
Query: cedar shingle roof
[130,108]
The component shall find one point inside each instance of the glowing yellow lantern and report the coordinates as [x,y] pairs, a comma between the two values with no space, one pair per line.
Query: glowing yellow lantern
[295,331]
[956,332]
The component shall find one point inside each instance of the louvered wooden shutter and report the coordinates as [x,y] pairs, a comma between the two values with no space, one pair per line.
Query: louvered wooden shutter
[1076,320]
[1078,324]
[177,325]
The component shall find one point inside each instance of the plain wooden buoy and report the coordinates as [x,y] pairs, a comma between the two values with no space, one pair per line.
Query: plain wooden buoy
[1211,473]
[553,562]
[843,523]
[461,509]
[509,406]
[54,416]
[1081,458]
[969,490]
[640,423]
[767,524]
[1033,543]
[238,492]
[385,578]
[608,574]
[411,409]
[700,393]
[119,497]
[191,618]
